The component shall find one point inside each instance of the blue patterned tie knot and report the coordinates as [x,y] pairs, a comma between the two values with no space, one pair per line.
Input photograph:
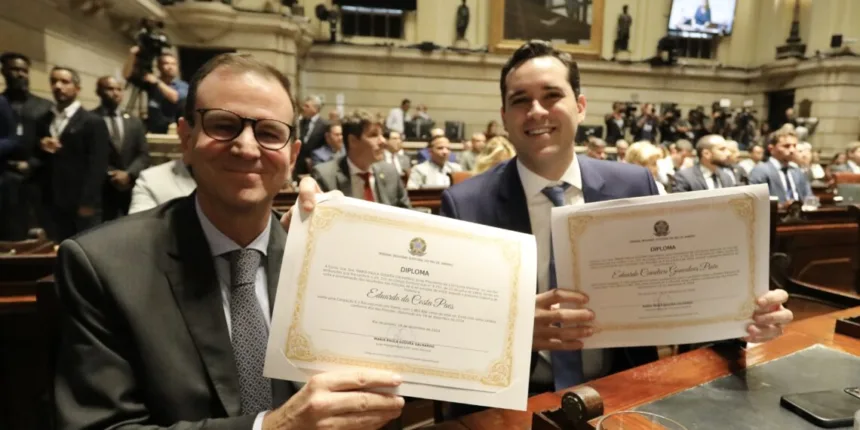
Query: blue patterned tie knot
[555,194]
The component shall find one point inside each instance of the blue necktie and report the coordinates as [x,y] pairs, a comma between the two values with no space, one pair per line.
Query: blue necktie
[566,365]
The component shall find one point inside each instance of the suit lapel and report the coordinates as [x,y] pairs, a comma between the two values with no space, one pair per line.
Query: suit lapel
[275,255]
[73,124]
[190,270]
[342,178]
[592,180]
[379,179]
[512,212]
[697,170]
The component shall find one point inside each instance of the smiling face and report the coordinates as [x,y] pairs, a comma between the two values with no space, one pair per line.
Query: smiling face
[541,112]
[238,175]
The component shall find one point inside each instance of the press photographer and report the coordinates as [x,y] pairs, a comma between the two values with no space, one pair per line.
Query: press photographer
[745,129]
[615,123]
[646,124]
[165,92]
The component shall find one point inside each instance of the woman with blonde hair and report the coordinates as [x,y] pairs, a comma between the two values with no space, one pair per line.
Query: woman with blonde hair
[498,149]
[646,154]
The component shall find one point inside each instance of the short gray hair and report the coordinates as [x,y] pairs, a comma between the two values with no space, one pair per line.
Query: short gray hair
[314,100]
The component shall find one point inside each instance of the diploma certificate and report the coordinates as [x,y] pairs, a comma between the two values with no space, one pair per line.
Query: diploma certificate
[681,268]
[448,305]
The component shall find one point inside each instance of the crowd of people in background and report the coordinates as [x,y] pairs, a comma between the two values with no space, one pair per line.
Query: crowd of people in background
[49,178]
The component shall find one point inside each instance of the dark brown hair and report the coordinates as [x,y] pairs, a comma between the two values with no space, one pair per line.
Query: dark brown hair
[776,136]
[356,122]
[237,63]
[535,49]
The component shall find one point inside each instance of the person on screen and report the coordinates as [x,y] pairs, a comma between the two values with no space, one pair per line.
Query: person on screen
[703,13]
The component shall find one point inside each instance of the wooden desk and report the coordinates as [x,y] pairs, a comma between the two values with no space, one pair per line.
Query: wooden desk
[635,387]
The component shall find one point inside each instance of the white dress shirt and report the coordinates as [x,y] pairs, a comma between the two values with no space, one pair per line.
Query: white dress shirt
[395,120]
[540,208]
[853,166]
[709,177]
[785,179]
[357,182]
[221,245]
[430,174]
[61,119]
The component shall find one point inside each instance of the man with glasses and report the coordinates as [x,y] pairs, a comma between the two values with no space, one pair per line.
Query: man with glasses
[167,312]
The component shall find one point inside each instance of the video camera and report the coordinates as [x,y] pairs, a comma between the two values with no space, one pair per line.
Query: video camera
[151,43]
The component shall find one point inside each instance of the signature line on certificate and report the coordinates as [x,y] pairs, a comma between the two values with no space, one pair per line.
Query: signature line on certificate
[706,299]
[435,344]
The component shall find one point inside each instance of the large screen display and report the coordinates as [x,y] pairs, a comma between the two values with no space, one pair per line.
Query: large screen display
[702,18]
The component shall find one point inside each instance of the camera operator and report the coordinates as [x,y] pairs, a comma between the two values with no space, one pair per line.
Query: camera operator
[698,123]
[646,124]
[721,120]
[164,92]
[615,123]
[745,130]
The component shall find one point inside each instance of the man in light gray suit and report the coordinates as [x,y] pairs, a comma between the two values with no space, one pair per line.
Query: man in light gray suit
[360,174]
[784,181]
[165,314]
[160,184]
[709,172]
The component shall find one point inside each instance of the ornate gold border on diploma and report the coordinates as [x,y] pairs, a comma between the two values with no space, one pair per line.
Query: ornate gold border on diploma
[300,347]
[743,207]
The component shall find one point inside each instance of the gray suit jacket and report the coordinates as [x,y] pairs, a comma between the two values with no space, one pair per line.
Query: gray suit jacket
[692,179]
[334,175]
[144,339]
[767,173]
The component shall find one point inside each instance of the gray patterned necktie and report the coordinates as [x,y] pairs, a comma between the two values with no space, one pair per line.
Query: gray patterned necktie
[249,332]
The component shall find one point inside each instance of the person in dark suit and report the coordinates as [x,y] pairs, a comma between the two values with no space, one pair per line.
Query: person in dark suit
[8,136]
[709,173]
[75,144]
[615,123]
[178,338]
[312,128]
[129,152]
[8,143]
[333,145]
[784,181]
[542,107]
[359,173]
[21,186]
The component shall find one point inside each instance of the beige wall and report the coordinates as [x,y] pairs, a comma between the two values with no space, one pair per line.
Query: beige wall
[760,26]
[51,34]
[466,87]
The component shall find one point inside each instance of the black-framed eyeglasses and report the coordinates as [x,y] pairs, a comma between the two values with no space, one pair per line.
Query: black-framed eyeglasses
[223,125]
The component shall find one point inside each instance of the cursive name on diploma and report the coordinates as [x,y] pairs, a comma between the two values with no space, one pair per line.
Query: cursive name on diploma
[668,271]
[414,299]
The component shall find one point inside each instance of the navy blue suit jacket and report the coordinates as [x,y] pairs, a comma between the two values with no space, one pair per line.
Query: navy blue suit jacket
[496,198]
